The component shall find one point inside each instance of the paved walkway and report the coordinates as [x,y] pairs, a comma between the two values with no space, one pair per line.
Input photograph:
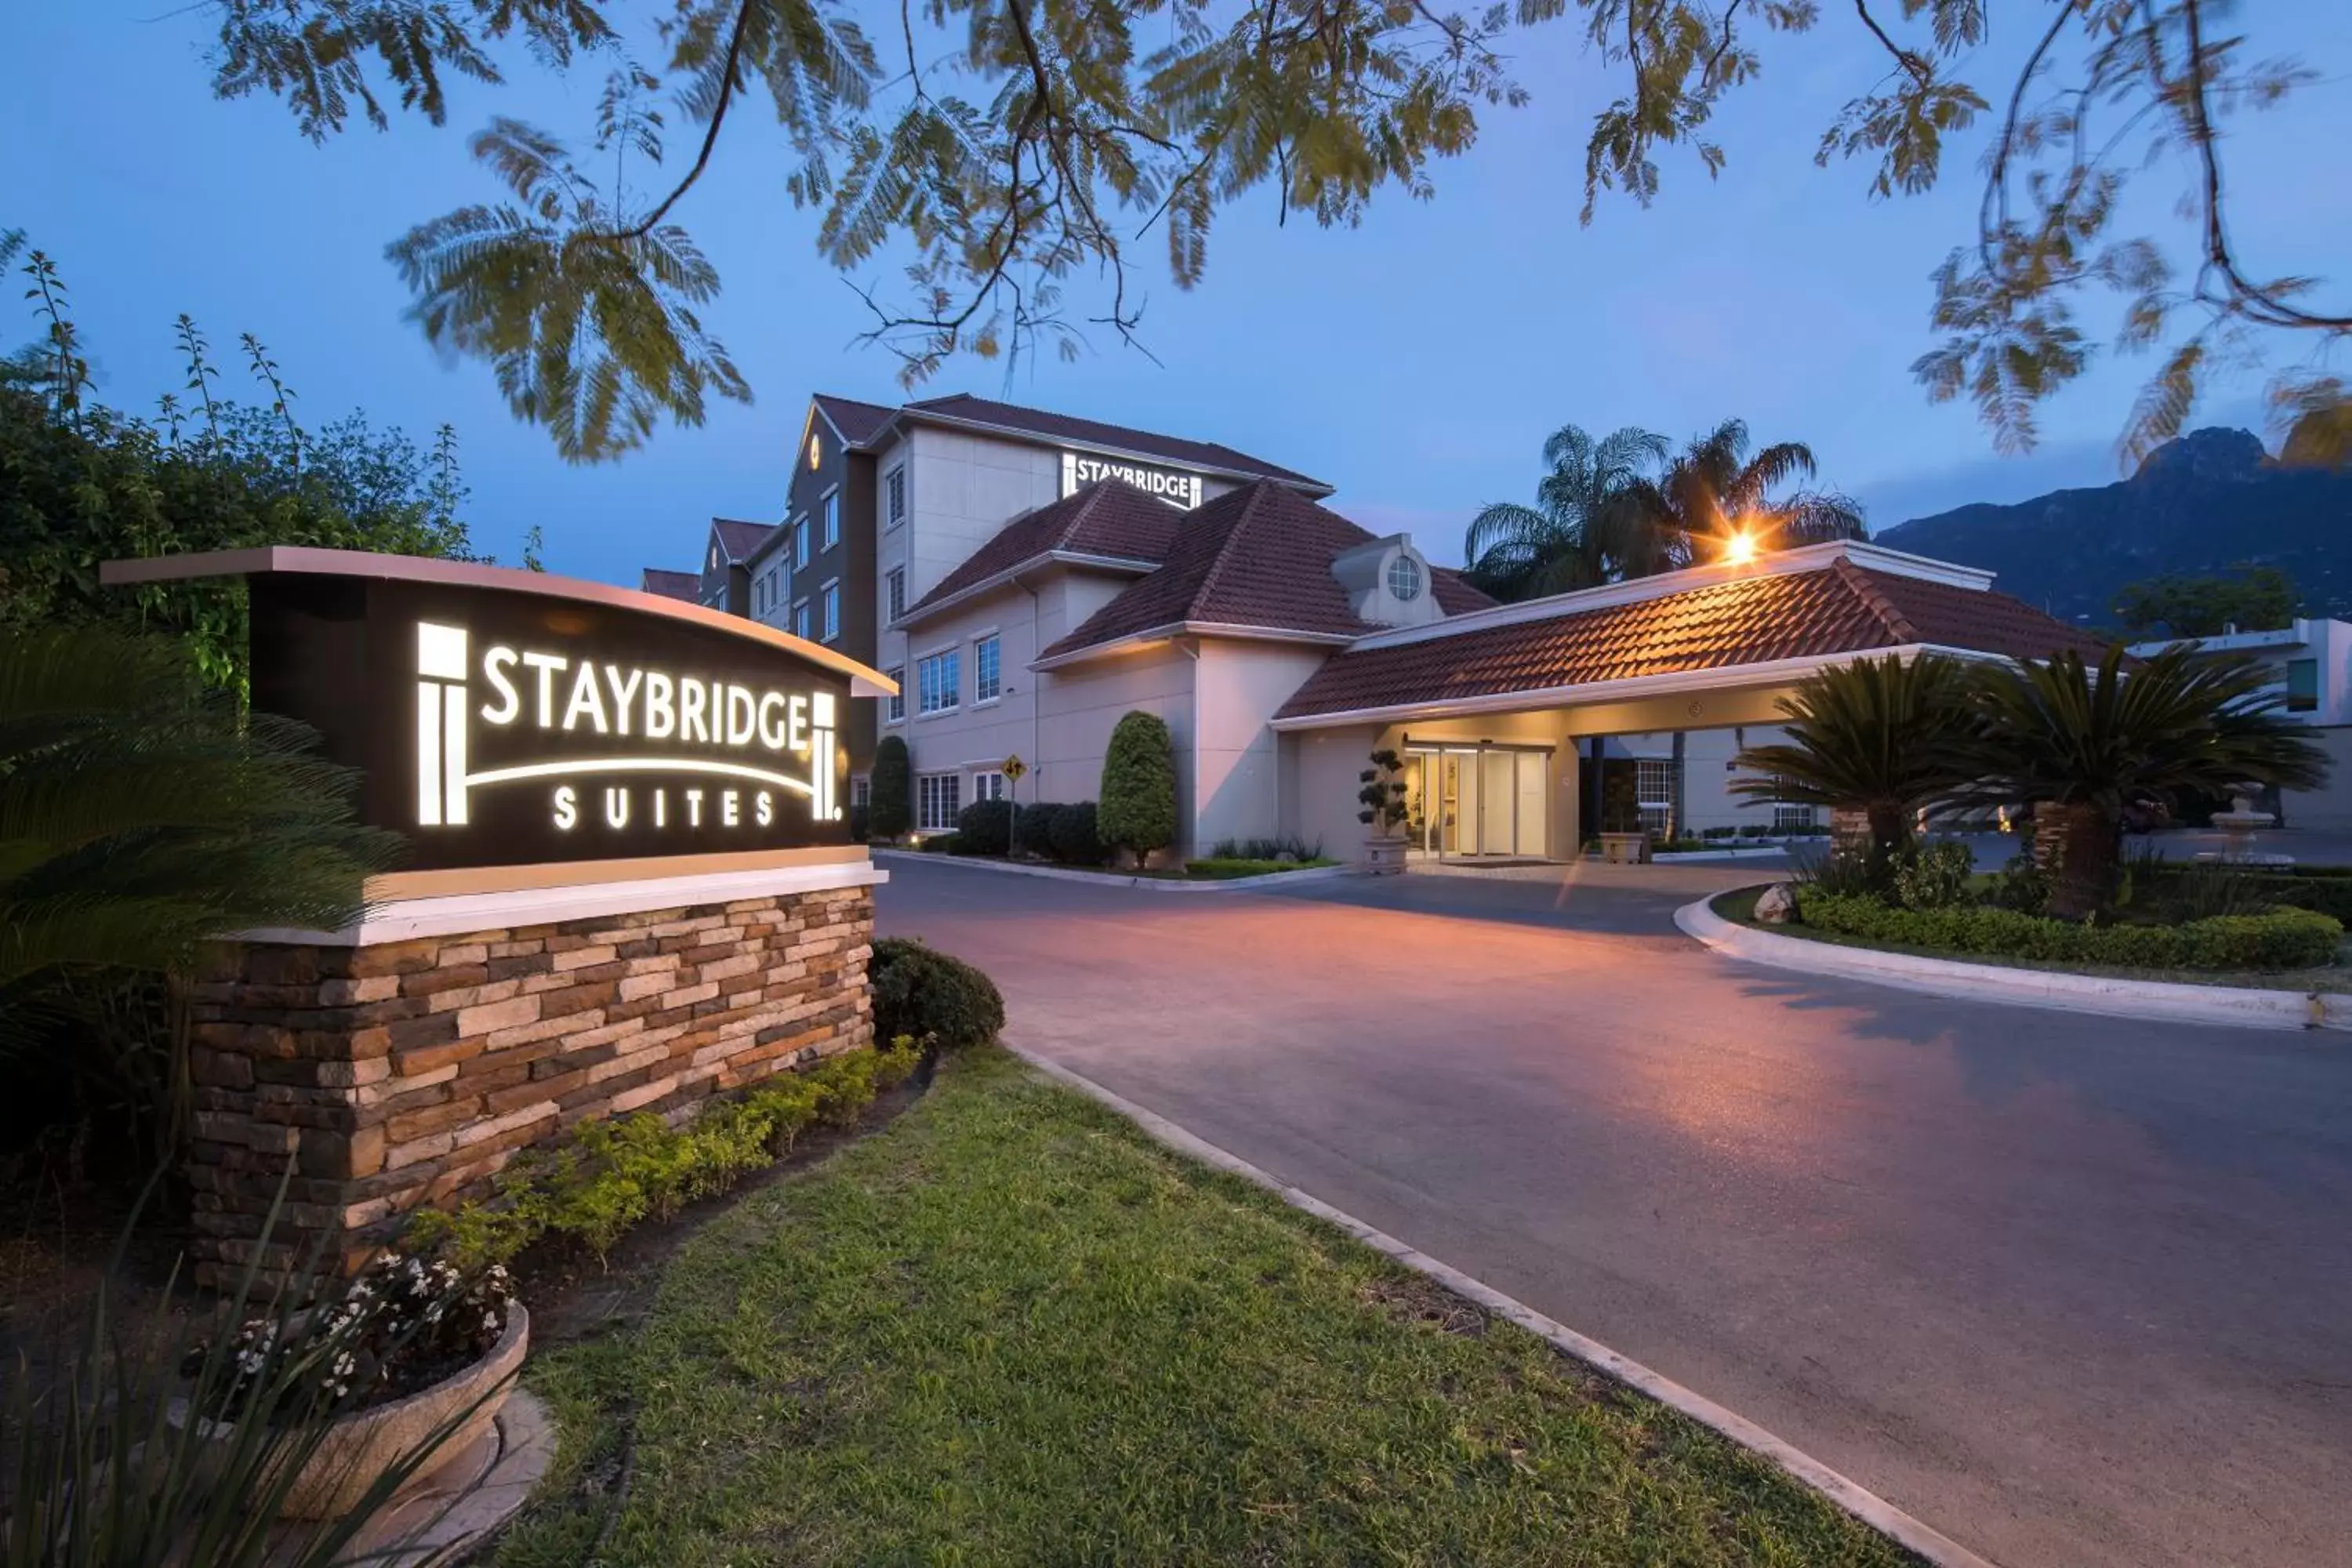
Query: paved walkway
[2073,1291]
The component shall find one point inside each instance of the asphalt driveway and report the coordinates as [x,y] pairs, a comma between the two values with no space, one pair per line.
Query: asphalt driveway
[2073,1291]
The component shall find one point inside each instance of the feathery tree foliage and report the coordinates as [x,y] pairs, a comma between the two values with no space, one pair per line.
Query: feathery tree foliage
[2250,598]
[1884,737]
[1628,506]
[2083,743]
[143,816]
[998,149]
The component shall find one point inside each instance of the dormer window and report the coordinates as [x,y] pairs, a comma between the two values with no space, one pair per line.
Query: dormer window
[1405,579]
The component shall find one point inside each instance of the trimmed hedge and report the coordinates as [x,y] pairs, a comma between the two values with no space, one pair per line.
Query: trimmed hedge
[1224,867]
[2328,895]
[984,827]
[1035,822]
[931,997]
[2283,939]
[1075,836]
[1138,808]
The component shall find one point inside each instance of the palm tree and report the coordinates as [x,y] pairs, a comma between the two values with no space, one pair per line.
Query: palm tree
[141,817]
[1715,488]
[1880,737]
[2081,744]
[1563,541]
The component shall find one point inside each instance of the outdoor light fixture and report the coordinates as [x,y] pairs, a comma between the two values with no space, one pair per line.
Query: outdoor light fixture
[1739,550]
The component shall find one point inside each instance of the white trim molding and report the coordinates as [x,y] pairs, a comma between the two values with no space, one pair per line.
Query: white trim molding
[405,920]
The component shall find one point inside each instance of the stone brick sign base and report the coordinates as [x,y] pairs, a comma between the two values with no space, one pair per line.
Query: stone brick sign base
[406,1073]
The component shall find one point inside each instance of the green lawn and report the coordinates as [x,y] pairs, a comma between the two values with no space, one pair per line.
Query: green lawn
[1739,906]
[1009,1329]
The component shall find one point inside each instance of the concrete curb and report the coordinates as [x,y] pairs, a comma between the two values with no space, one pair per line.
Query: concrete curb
[1766,852]
[1112,879]
[2108,995]
[1852,1495]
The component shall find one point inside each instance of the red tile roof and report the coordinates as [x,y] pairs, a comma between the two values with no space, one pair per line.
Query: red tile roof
[858,422]
[1062,427]
[1110,517]
[1258,557]
[1838,607]
[739,539]
[670,584]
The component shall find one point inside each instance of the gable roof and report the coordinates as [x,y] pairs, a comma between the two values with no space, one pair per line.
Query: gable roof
[670,584]
[964,408]
[738,539]
[1258,557]
[1843,604]
[1110,519]
[856,422]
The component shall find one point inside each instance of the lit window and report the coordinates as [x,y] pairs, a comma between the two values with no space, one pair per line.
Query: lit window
[898,592]
[898,674]
[988,785]
[816,451]
[937,798]
[1404,578]
[984,678]
[800,542]
[895,487]
[936,681]
[833,519]
[801,619]
[831,598]
[2303,686]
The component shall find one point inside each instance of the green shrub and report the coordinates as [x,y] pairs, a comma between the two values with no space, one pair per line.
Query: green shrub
[941,844]
[1935,876]
[1222,868]
[984,827]
[1272,848]
[861,824]
[890,802]
[928,996]
[1034,827]
[1074,836]
[2283,939]
[1137,809]
[614,1173]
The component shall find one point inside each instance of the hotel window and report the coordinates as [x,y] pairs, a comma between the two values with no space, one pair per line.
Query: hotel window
[831,597]
[1787,818]
[937,798]
[800,542]
[898,674]
[759,595]
[898,592]
[801,619]
[986,685]
[989,785]
[861,790]
[1405,579]
[833,519]
[894,488]
[1654,795]
[938,682]
[2303,686]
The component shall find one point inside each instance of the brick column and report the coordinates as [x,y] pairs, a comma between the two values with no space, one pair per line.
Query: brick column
[406,1073]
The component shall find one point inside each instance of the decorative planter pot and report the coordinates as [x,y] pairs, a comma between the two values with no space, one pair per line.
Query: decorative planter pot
[1383,855]
[362,1446]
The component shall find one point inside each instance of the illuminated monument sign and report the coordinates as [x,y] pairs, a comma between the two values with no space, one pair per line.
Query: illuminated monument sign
[500,717]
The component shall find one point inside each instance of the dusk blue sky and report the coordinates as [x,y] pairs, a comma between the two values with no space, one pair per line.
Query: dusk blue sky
[1416,362]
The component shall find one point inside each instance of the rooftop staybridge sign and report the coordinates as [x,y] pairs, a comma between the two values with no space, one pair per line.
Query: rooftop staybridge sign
[504,717]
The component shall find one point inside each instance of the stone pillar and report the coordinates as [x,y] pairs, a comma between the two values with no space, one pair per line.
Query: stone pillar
[394,1074]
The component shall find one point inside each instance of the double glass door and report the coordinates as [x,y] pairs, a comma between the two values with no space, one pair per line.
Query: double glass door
[1476,800]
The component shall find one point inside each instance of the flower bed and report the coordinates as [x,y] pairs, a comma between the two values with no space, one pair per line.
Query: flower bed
[2278,939]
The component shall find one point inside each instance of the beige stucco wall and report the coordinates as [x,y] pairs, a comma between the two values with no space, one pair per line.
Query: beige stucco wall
[1235,759]
[1082,704]
[1319,770]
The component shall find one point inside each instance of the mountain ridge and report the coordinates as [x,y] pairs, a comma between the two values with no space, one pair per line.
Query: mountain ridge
[2202,503]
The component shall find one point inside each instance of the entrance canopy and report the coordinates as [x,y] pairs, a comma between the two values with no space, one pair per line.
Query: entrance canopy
[1710,627]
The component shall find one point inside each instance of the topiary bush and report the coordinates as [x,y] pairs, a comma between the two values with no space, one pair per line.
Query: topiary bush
[984,827]
[1935,876]
[926,994]
[1076,837]
[890,809]
[1034,826]
[1137,809]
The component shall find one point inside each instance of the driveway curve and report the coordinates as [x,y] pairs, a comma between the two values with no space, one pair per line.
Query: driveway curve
[2072,1291]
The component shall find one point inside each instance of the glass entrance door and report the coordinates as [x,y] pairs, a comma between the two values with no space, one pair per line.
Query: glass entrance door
[1465,800]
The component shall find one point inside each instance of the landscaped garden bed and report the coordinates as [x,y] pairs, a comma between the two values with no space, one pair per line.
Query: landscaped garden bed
[1012,1329]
